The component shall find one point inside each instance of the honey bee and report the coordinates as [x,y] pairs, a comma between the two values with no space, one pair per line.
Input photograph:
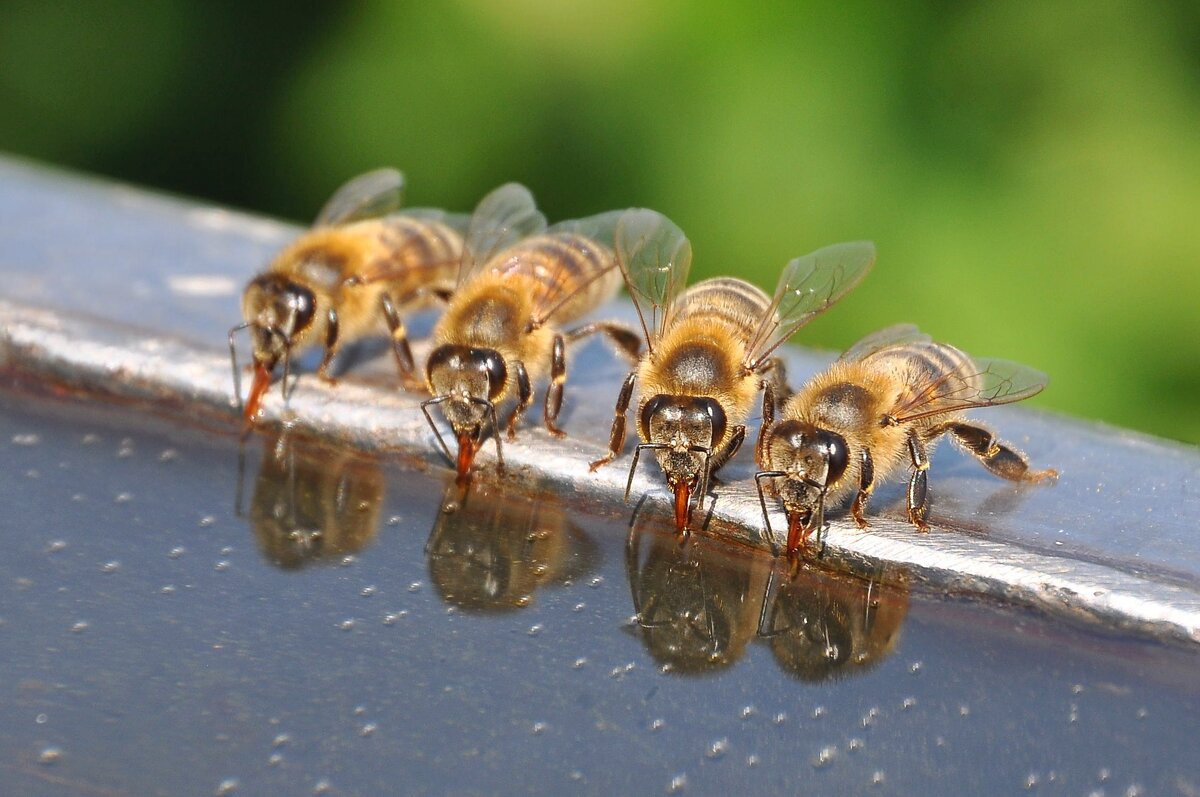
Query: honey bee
[359,265]
[710,349]
[519,281]
[884,403]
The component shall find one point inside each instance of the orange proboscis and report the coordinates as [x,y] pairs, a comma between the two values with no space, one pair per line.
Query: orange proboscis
[258,389]
[683,499]
[466,455]
[797,532]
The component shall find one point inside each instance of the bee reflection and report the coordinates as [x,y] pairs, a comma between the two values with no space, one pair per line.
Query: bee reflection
[697,609]
[491,549]
[825,624]
[313,502]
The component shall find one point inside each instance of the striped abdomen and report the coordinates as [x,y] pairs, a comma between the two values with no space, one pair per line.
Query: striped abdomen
[727,301]
[415,252]
[562,268]
[928,372]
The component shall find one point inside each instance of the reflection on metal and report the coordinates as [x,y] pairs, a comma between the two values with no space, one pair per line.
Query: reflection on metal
[823,624]
[699,605]
[313,502]
[490,550]
[93,307]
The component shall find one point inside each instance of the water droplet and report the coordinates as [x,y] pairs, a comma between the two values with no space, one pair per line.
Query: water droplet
[281,740]
[79,627]
[368,729]
[539,728]
[348,560]
[207,521]
[657,725]
[346,625]
[360,710]
[780,718]
[877,777]
[168,455]
[579,607]
[275,759]
[78,497]
[751,760]
[1134,790]
[717,749]
[576,775]
[176,552]
[369,591]
[390,619]
[1142,713]
[222,565]
[51,755]
[915,667]
[227,786]
[536,629]
[29,439]
[580,662]
[824,757]
[90,439]
[56,546]
[394,520]
[596,581]
[1077,689]
[168,589]
[666,667]
[41,719]
[964,710]
[1031,781]
[854,745]
[818,712]
[869,718]
[677,784]
[123,498]
[323,786]
[414,587]
[907,703]
[748,712]
[110,567]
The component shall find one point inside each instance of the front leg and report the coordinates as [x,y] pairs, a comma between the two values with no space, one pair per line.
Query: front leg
[768,420]
[616,439]
[331,345]
[728,450]
[918,485]
[524,398]
[554,393]
[399,336]
[866,483]
[628,342]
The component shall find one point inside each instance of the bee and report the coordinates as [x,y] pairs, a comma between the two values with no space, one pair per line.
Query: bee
[885,403]
[359,265]
[709,349]
[519,281]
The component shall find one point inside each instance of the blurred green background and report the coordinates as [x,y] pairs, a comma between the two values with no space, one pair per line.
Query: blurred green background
[1029,170]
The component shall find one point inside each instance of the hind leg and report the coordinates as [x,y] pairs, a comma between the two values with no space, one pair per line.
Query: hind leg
[999,458]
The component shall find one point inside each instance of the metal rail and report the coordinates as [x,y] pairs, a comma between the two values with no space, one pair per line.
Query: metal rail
[117,291]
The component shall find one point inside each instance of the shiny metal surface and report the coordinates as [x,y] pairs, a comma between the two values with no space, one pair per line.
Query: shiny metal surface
[112,290]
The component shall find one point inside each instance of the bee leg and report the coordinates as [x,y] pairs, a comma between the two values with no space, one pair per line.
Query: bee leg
[729,450]
[554,393]
[768,420]
[1000,459]
[524,399]
[616,439]
[331,346]
[399,334]
[628,342]
[776,373]
[918,485]
[866,484]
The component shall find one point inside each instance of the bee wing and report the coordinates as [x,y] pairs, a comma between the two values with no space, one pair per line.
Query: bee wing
[501,218]
[654,257]
[897,335]
[975,383]
[601,231]
[809,286]
[367,196]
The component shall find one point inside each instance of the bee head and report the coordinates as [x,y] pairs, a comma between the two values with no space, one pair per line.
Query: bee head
[471,380]
[811,461]
[683,431]
[279,310]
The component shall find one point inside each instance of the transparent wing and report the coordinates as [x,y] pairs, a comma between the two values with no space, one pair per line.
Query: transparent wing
[367,196]
[654,256]
[601,228]
[897,335]
[501,218]
[975,383]
[809,286]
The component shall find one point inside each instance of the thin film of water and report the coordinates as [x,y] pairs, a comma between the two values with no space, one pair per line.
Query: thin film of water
[340,625]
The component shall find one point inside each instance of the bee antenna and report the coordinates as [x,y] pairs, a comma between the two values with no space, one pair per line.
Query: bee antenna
[637,453]
[233,363]
[425,405]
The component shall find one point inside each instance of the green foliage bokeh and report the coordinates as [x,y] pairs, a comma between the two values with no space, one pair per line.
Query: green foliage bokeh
[1030,171]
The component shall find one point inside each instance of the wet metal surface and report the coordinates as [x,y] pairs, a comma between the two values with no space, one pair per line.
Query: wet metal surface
[115,291]
[358,627]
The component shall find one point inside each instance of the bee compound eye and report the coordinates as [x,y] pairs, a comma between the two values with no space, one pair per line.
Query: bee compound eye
[652,408]
[836,453]
[497,372]
[716,418]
